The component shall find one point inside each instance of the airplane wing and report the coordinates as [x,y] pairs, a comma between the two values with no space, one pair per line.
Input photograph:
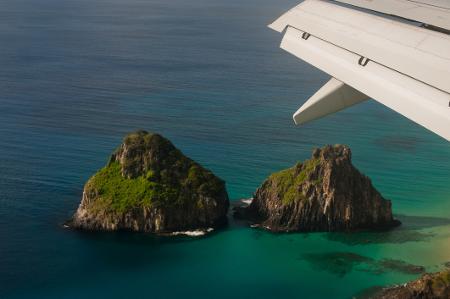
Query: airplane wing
[396,62]
[430,12]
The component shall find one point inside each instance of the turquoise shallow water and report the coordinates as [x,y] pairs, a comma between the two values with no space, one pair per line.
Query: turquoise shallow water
[76,76]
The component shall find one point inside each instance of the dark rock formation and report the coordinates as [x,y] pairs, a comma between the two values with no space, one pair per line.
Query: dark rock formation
[325,193]
[150,186]
[429,286]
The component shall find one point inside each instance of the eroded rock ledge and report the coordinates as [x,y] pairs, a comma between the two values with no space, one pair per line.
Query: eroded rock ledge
[429,286]
[324,193]
[150,186]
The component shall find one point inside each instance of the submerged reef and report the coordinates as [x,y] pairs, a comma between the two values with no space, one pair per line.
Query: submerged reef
[342,263]
[324,193]
[148,185]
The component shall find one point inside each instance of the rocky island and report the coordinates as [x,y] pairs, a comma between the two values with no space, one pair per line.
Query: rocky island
[429,286]
[148,185]
[324,193]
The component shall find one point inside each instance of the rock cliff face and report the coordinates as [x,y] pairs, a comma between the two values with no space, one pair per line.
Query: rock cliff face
[429,286]
[325,193]
[150,186]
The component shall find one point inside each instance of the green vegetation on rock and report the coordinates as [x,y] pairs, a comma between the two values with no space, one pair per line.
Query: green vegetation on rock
[121,194]
[289,181]
[442,279]
[148,171]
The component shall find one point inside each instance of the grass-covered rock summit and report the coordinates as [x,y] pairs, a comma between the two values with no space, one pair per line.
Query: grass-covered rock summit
[324,193]
[148,185]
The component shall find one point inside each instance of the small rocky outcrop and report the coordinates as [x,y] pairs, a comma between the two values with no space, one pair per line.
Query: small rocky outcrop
[324,193]
[429,286]
[150,186]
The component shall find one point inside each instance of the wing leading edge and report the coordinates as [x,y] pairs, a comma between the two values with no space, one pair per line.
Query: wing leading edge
[430,12]
[404,67]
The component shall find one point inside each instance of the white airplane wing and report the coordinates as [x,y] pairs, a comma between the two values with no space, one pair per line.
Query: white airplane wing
[401,65]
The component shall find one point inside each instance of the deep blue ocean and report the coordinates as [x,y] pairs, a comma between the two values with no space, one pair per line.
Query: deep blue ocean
[77,75]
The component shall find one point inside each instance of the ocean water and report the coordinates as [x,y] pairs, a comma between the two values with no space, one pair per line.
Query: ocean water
[77,75]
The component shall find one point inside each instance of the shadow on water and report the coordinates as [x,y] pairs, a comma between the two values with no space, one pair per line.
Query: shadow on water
[131,250]
[342,263]
[409,231]
[399,143]
[137,238]
[420,222]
